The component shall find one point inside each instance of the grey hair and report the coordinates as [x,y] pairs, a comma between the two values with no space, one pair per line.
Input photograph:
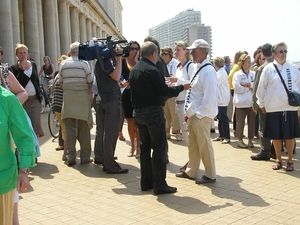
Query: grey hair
[74,47]
[148,48]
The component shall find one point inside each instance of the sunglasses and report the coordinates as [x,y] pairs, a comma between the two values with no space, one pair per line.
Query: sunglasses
[132,49]
[283,51]
[263,59]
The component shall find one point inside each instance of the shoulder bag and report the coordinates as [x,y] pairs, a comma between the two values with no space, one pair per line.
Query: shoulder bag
[293,97]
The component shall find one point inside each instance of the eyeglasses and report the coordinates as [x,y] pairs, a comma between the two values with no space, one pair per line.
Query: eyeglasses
[283,51]
[132,49]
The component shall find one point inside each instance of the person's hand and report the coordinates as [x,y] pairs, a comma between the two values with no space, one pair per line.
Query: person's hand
[172,79]
[185,119]
[124,83]
[136,58]
[118,51]
[263,109]
[186,86]
[23,182]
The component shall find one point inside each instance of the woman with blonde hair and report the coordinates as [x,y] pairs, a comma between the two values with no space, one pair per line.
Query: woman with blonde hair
[242,99]
[26,73]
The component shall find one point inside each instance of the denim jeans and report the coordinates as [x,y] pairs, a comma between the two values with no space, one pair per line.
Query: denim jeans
[223,124]
[151,124]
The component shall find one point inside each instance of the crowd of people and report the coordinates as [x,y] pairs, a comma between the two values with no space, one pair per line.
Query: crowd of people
[159,92]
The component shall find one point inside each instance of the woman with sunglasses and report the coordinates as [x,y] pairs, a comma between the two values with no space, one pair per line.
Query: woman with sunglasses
[281,118]
[128,63]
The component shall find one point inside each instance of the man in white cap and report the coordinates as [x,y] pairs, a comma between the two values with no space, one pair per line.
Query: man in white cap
[201,106]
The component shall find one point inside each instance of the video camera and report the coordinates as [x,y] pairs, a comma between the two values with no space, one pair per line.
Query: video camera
[100,48]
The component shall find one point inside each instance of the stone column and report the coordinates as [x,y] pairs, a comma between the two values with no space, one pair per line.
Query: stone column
[50,29]
[31,25]
[89,29]
[64,27]
[94,30]
[15,21]
[39,58]
[6,32]
[74,25]
[58,52]
[82,26]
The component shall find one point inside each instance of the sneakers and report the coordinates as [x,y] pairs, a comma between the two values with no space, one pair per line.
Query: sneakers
[179,137]
[226,141]
[218,139]
[250,144]
[241,144]
[168,136]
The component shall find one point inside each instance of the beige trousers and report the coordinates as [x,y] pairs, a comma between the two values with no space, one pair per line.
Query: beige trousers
[200,147]
[7,207]
[170,115]
[241,114]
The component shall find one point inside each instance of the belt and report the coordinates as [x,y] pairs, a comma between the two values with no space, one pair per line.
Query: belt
[31,97]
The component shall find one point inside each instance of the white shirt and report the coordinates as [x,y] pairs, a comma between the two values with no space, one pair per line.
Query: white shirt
[270,91]
[223,87]
[172,66]
[202,97]
[184,76]
[242,97]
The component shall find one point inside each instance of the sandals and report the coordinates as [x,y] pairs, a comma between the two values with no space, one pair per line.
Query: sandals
[121,137]
[289,166]
[277,165]
[130,153]
[138,153]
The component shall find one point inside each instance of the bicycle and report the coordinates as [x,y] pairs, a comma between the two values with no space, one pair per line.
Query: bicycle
[45,93]
[53,123]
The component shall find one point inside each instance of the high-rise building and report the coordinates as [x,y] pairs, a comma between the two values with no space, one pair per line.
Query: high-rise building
[185,26]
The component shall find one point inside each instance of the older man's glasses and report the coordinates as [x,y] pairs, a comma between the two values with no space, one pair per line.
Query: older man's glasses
[283,51]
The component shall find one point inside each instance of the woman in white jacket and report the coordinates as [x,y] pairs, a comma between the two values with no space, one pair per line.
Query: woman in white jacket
[242,99]
[223,101]
[281,119]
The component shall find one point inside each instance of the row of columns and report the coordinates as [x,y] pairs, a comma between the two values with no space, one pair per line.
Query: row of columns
[45,27]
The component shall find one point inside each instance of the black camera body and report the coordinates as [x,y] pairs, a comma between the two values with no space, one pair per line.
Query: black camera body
[102,48]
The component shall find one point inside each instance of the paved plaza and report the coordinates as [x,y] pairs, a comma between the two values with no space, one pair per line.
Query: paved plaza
[246,191]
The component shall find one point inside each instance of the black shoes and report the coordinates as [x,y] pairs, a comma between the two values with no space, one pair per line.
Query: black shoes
[183,175]
[98,162]
[146,188]
[205,180]
[116,170]
[260,156]
[71,163]
[165,190]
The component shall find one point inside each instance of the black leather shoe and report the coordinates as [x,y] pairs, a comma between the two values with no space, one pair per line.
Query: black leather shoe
[71,163]
[183,175]
[205,180]
[116,170]
[88,161]
[259,156]
[146,188]
[273,155]
[98,162]
[165,190]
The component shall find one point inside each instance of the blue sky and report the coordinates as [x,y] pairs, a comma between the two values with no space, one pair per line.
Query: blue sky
[236,25]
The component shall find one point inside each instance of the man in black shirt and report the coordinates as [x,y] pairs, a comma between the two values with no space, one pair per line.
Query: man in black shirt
[148,90]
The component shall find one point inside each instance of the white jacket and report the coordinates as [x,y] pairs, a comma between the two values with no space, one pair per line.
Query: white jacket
[223,87]
[202,98]
[172,66]
[242,97]
[270,91]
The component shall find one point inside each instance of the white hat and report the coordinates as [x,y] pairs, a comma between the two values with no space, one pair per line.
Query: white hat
[200,43]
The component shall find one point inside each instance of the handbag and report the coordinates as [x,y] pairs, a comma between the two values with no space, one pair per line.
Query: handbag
[293,97]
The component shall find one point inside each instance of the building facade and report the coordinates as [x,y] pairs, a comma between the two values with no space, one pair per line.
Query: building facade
[185,26]
[48,27]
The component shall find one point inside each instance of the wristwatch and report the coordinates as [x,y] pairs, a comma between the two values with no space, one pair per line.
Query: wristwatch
[24,170]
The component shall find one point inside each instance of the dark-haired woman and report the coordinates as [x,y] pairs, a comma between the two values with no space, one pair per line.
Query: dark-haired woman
[127,64]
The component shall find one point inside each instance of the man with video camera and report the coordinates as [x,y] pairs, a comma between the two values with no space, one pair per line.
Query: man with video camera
[109,110]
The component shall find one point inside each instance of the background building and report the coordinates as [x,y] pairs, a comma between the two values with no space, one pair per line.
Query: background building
[185,26]
[48,27]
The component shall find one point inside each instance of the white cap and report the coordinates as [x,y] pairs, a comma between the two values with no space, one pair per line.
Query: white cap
[200,43]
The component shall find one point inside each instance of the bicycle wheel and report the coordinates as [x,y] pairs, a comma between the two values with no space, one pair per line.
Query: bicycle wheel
[53,124]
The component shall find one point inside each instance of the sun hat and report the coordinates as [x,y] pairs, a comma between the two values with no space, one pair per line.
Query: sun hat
[200,43]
